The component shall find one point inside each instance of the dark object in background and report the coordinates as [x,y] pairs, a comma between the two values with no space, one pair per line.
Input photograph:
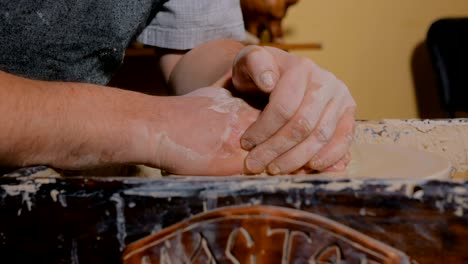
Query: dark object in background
[447,42]
[261,15]
[140,72]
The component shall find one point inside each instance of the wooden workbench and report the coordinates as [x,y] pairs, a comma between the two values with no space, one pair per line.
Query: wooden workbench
[47,218]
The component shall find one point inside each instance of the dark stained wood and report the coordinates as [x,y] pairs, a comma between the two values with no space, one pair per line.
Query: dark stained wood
[91,220]
[294,46]
[260,234]
[139,52]
[260,16]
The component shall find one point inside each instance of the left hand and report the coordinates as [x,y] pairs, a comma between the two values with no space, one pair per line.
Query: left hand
[308,122]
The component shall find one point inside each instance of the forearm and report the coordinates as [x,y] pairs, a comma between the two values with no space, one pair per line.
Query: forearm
[70,125]
[206,65]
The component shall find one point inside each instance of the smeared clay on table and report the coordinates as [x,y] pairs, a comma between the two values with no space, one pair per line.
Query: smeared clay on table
[446,137]
[370,161]
[391,161]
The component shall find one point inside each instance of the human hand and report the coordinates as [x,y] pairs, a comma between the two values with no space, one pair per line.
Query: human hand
[203,131]
[308,122]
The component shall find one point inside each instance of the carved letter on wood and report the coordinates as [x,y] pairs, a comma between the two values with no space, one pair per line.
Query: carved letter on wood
[258,235]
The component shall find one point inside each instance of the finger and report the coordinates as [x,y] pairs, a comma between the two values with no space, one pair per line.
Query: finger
[255,69]
[285,99]
[294,132]
[301,154]
[340,165]
[337,167]
[338,145]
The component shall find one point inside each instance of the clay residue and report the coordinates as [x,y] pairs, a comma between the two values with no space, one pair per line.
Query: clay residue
[17,189]
[227,105]
[26,190]
[120,219]
[183,151]
[54,194]
[448,138]
[223,186]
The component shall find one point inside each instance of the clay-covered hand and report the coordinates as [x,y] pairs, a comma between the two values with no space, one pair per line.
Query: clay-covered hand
[308,122]
[203,133]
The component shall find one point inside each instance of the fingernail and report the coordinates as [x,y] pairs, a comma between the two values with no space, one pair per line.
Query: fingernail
[267,79]
[273,169]
[254,166]
[246,144]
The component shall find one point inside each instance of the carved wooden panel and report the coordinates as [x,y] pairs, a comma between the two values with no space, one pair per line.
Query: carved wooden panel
[260,234]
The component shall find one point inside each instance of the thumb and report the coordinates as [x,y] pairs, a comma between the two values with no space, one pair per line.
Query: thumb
[255,69]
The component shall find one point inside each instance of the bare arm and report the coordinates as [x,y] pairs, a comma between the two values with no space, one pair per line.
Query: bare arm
[78,126]
[71,125]
[205,65]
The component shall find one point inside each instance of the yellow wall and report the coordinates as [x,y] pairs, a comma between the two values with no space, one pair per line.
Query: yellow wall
[369,45]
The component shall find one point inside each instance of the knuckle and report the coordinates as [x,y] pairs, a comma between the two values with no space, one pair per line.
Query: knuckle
[305,62]
[322,134]
[319,162]
[269,155]
[254,53]
[265,154]
[352,107]
[301,129]
[245,51]
[283,112]
[330,77]
[341,86]
[345,94]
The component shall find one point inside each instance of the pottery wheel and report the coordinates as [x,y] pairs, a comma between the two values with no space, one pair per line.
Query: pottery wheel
[390,161]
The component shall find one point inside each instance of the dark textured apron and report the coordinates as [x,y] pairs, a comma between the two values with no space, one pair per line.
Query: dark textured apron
[69,40]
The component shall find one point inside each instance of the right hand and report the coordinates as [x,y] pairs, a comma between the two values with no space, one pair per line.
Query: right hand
[203,134]
[308,122]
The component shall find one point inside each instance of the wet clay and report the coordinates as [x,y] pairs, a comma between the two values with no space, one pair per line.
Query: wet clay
[391,161]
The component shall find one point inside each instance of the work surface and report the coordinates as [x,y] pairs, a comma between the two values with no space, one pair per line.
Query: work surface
[48,218]
[91,220]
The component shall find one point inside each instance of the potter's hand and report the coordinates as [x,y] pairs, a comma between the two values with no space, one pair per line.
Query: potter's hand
[203,134]
[309,119]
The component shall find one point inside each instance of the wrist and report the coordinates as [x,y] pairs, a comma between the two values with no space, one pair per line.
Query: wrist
[84,126]
[126,129]
[145,124]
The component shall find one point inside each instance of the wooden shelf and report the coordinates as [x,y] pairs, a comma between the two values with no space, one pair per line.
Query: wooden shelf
[136,51]
[294,46]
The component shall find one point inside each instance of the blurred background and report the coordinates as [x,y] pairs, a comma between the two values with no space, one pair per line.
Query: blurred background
[377,48]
